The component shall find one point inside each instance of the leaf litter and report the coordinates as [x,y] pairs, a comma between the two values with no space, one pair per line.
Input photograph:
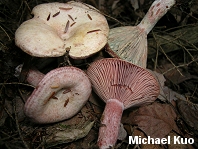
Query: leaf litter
[160,117]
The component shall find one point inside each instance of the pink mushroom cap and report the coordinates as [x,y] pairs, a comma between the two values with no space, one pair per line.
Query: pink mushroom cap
[121,85]
[59,95]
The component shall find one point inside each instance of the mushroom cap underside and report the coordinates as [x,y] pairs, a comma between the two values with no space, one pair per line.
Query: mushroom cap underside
[128,43]
[60,27]
[114,78]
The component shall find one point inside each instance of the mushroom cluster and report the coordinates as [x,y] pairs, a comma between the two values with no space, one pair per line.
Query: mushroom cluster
[56,29]
[59,27]
[81,30]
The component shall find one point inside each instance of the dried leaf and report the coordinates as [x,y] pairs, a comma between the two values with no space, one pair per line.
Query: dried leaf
[135,4]
[122,133]
[176,76]
[189,112]
[170,95]
[156,120]
[7,110]
[194,7]
[68,135]
[89,142]
[160,78]
[165,92]
[4,108]
[137,132]
[177,146]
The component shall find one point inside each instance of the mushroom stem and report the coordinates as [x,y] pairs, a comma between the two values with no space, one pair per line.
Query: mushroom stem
[34,77]
[157,10]
[130,42]
[111,117]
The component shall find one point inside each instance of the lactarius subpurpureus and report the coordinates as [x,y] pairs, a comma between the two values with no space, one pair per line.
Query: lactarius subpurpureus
[59,95]
[59,27]
[130,42]
[121,85]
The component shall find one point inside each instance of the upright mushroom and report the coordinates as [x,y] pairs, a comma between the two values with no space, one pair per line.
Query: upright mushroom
[59,27]
[121,85]
[59,95]
[130,42]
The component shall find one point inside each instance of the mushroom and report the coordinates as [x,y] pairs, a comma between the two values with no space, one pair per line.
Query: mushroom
[59,95]
[59,27]
[130,42]
[121,85]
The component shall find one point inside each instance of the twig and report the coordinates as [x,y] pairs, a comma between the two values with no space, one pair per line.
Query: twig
[178,27]
[190,14]
[92,8]
[183,65]
[6,110]
[5,32]
[3,45]
[17,83]
[21,95]
[166,56]
[18,127]
[157,53]
[173,41]
[194,91]
[8,136]
[178,37]
[27,5]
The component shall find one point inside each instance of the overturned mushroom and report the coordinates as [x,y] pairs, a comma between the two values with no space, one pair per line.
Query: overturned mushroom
[121,85]
[59,95]
[59,27]
[130,42]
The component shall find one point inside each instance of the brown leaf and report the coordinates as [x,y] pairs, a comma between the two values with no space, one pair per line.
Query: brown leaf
[177,146]
[89,142]
[165,92]
[160,78]
[137,132]
[64,134]
[189,111]
[176,76]
[156,120]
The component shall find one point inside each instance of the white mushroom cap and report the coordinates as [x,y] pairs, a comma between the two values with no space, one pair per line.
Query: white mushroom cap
[57,27]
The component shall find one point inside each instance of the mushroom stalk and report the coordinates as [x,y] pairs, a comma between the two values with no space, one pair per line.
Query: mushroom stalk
[34,77]
[157,10]
[110,121]
[130,42]
[121,85]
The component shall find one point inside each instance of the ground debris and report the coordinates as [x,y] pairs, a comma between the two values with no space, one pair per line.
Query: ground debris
[65,135]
